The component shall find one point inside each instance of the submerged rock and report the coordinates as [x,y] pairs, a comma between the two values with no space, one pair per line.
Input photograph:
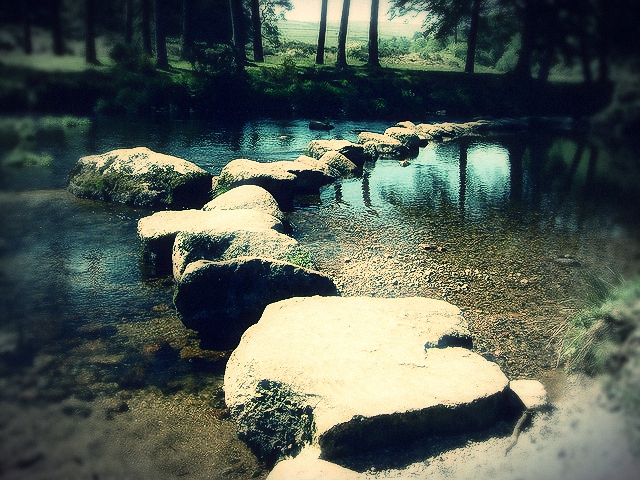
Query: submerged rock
[140,177]
[369,372]
[220,300]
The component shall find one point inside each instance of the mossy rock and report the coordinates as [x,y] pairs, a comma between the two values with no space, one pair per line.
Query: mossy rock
[141,178]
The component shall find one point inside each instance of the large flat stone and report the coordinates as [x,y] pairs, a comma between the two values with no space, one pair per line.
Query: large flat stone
[352,374]
[226,244]
[220,300]
[283,179]
[307,466]
[157,232]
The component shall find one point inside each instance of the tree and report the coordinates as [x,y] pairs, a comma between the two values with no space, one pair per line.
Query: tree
[528,13]
[90,32]
[258,51]
[162,61]
[56,27]
[271,12]
[146,27]
[187,29]
[25,14]
[341,61]
[237,30]
[472,39]
[128,22]
[443,19]
[322,33]
[373,60]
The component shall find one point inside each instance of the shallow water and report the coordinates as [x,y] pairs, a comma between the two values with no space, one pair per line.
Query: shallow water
[79,320]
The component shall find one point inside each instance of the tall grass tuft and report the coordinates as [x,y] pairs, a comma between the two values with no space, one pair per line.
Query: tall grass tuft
[593,340]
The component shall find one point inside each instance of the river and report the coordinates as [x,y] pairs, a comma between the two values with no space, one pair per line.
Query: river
[99,377]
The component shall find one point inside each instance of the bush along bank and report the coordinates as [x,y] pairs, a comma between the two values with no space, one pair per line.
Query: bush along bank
[214,88]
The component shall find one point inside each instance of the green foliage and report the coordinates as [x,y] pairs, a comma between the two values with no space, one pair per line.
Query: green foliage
[509,58]
[219,82]
[458,50]
[131,58]
[594,336]
[219,59]
[302,258]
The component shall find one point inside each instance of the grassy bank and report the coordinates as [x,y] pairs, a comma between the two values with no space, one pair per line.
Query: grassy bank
[605,339]
[284,89]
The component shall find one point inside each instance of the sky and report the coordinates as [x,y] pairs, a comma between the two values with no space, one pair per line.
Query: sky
[309,11]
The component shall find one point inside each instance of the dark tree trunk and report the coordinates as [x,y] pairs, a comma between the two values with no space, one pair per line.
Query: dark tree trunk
[56,28]
[90,54]
[258,51]
[187,31]
[162,60]
[237,37]
[523,66]
[322,33]
[585,59]
[341,61]
[473,37]
[373,60]
[25,13]
[128,22]
[146,27]
[545,62]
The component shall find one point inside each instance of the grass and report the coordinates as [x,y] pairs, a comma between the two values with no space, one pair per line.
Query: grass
[285,85]
[302,258]
[593,339]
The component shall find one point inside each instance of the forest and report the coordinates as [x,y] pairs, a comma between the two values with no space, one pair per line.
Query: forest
[223,57]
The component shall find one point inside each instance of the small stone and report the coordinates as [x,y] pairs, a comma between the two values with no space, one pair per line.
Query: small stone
[531,393]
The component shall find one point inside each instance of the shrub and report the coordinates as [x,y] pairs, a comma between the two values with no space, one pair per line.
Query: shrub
[131,58]
[509,58]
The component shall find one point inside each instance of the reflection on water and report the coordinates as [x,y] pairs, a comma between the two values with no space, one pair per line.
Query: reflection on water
[71,289]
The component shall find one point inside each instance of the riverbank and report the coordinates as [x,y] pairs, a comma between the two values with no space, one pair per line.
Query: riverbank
[133,86]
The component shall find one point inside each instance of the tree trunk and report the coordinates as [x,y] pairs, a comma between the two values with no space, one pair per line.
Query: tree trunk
[545,62]
[162,60]
[523,66]
[585,59]
[146,27]
[473,37]
[373,60]
[187,31]
[25,12]
[128,22]
[56,28]
[90,54]
[237,37]
[258,51]
[341,61]
[322,33]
